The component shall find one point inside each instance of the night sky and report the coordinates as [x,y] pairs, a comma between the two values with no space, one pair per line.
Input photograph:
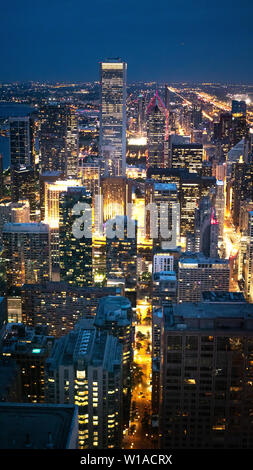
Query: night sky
[161,40]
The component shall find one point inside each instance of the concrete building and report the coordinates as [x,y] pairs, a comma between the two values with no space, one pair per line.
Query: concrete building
[206,375]
[86,368]
[26,253]
[38,426]
[60,305]
[197,273]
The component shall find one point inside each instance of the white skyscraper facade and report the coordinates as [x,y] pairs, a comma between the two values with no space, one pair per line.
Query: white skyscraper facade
[112,139]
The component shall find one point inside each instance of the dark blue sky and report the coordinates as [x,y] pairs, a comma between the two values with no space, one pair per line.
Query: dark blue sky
[160,39]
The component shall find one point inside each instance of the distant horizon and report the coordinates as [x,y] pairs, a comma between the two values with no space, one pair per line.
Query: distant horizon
[129,82]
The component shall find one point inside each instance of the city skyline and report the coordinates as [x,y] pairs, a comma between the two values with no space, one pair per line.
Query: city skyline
[126,229]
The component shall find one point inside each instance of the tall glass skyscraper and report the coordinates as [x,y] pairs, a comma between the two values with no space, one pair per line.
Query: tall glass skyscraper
[112,140]
[59,144]
[157,117]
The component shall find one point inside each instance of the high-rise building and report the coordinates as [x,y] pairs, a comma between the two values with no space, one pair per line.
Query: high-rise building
[59,144]
[121,253]
[26,253]
[191,187]
[167,97]
[206,374]
[248,270]
[141,113]
[22,160]
[44,426]
[163,219]
[188,156]
[114,315]
[163,262]
[196,274]
[206,230]
[53,191]
[164,290]
[13,212]
[157,130]
[24,187]
[29,347]
[85,368]
[72,143]
[75,252]
[60,305]
[116,193]
[239,121]
[90,175]
[220,206]
[14,309]
[112,138]
[239,107]
[242,187]
[47,177]
[21,142]
[196,115]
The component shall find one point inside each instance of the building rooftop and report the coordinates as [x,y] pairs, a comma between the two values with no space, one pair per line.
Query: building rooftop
[223,296]
[32,227]
[113,309]
[224,316]
[165,187]
[165,276]
[199,258]
[36,426]
[20,339]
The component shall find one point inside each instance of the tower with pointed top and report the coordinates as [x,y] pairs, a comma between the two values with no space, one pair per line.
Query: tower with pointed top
[157,119]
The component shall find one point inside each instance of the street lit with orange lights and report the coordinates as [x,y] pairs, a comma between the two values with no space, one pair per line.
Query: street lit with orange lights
[137,436]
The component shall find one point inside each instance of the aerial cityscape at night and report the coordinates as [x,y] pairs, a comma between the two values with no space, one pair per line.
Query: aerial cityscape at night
[126,254]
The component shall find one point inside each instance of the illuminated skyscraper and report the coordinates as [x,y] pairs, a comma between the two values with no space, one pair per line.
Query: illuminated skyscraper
[206,230]
[85,368]
[239,107]
[248,270]
[59,144]
[112,138]
[29,347]
[21,142]
[22,159]
[47,177]
[187,156]
[26,253]
[114,315]
[53,191]
[239,121]
[242,187]
[24,187]
[72,143]
[117,193]
[75,253]
[196,116]
[141,113]
[157,121]
[14,212]
[197,273]
[121,253]
[167,97]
